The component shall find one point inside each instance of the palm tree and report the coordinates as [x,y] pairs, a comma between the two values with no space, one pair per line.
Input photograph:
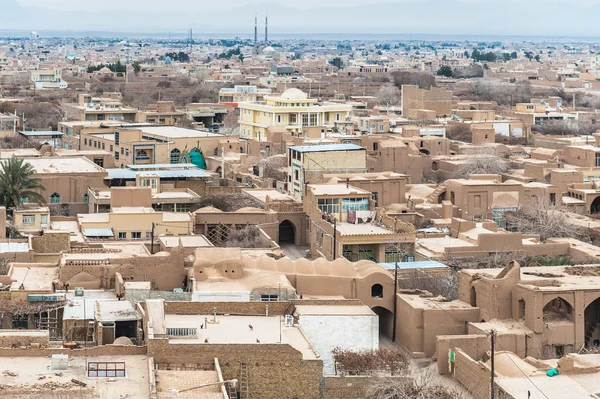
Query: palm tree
[18,185]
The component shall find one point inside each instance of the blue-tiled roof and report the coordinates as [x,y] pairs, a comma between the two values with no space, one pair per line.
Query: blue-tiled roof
[326,147]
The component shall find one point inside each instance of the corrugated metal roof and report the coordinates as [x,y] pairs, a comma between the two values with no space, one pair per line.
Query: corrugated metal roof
[326,147]
[41,133]
[14,247]
[428,264]
[131,174]
[115,311]
[98,233]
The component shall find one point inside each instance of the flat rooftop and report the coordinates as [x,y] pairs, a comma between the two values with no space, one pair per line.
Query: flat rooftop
[33,278]
[334,310]
[326,147]
[273,194]
[167,380]
[337,189]
[173,132]
[55,165]
[236,330]
[130,174]
[185,241]
[351,229]
[30,369]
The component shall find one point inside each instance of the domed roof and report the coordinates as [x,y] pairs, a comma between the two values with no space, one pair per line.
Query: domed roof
[269,49]
[122,341]
[294,94]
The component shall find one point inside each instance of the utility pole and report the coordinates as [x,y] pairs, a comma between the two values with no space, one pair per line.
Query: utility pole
[152,239]
[492,338]
[395,301]
[334,238]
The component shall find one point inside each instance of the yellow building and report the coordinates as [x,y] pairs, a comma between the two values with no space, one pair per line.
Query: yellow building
[293,110]
[48,79]
[31,220]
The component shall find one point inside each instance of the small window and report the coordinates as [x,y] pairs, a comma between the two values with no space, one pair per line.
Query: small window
[377,291]
[122,235]
[55,198]
[136,235]
[44,220]
[269,298]
[28,219]
[86,198]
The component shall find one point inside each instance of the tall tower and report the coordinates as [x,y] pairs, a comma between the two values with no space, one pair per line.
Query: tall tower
[255,30]
[266,30]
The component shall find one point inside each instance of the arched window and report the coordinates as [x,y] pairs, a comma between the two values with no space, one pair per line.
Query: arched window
[142,154]
[175,154]
[216,152]
[377,291]
[86,198]
[55,198]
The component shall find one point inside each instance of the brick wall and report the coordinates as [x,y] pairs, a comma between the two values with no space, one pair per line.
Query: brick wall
[51,243]
[473,375]
[105,350]
[247,308]
[274,370]
[473,345]
[20,338]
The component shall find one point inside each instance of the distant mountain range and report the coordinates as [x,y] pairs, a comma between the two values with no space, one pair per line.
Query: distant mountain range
[455,17]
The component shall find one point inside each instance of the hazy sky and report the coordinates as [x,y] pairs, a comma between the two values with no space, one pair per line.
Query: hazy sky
[199,5]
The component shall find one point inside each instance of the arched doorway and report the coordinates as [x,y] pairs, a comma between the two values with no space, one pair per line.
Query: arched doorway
[592,324]
[473,299]
[386,321]
[287,232]
[595,207]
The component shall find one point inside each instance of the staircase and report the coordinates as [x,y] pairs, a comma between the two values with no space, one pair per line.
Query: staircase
[590,333]
[433,197]
[244,381]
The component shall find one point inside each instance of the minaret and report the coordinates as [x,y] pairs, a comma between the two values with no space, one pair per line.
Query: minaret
[255,30]
[266,30]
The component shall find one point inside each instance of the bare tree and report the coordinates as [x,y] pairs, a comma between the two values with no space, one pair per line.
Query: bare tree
[565,127]
[380,360]
[445,285]
[231,124]
[388,94]
[482,164]
[542,218]
[422,79]
[247,237]
[273,167]
[413,386]
[459,132]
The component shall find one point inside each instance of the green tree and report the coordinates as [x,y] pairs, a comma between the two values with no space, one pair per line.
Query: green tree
[136,67]
[18,185]
[445,70]
[514,55]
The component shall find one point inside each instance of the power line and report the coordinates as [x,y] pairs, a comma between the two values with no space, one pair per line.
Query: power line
[522,372]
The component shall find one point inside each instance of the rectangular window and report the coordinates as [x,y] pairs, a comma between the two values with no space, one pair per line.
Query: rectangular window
[293,119]
[375,197]
[44,220]
[269,298]
[103,146]
[182,207]
[326,116]
[117,155]
[111,148]
[117,138]
[313,119]
[355,204]
[122,151]
[136,235]
[84,141]
[329,205]
[181,332]
[122,235]
[304,119]
[28,219]
[597,159]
